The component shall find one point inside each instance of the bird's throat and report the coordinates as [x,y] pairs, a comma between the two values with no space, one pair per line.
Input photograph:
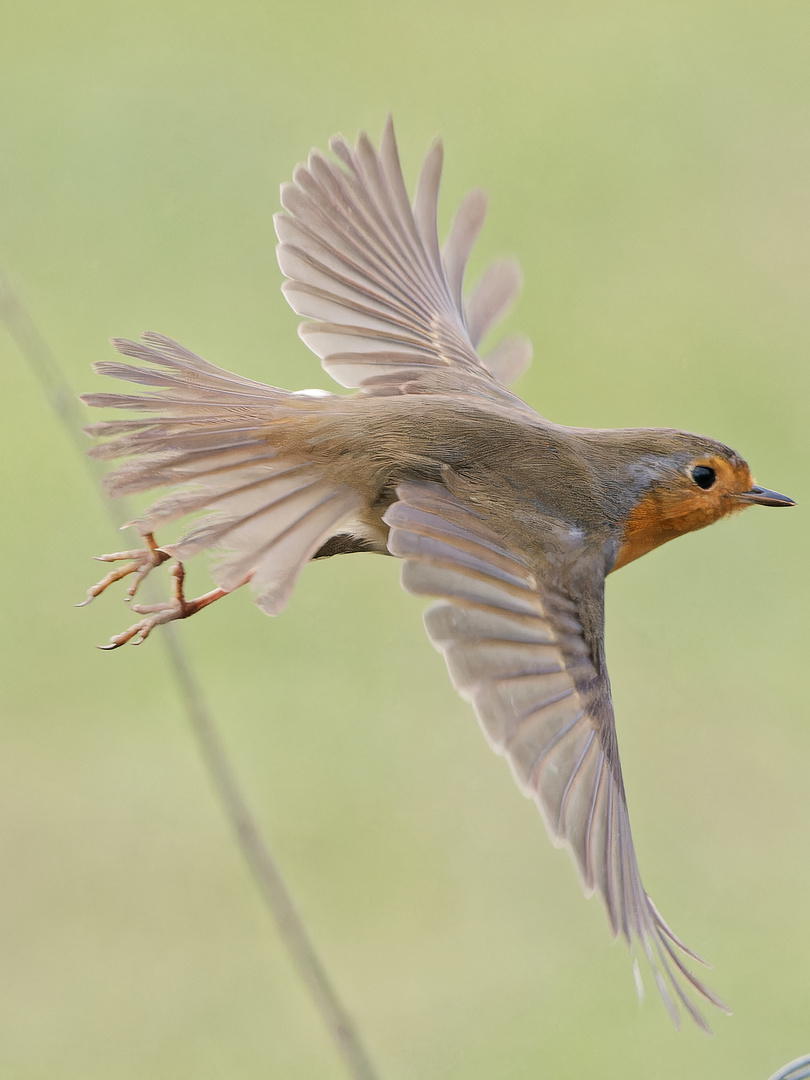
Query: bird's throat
[664,515]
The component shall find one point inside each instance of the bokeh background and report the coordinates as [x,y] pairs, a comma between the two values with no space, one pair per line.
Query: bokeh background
[649,162]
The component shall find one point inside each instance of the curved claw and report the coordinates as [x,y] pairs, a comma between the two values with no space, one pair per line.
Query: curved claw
[141,562]
[160,614]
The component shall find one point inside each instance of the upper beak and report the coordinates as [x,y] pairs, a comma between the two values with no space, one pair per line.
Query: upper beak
[763,497]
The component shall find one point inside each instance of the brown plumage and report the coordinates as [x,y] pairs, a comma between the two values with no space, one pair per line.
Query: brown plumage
[511,521]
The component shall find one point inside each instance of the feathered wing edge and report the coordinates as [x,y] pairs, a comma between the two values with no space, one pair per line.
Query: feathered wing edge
[206,433]
[515,650]
[365,265]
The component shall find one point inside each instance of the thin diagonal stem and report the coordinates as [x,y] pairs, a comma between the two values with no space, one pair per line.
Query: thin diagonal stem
[272,887]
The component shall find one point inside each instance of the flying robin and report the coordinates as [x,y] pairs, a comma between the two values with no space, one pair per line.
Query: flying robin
[511,521]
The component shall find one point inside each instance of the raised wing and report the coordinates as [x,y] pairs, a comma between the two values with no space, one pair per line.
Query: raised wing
[515,648]
[366,265]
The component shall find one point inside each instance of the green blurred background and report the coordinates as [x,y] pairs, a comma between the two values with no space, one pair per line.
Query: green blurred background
[650,165]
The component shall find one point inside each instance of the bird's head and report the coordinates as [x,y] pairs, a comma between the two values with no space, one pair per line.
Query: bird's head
[685,482]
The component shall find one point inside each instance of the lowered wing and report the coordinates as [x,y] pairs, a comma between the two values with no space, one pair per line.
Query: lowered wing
[515,649]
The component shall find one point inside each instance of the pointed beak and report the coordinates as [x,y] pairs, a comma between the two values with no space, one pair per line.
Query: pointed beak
[763,497]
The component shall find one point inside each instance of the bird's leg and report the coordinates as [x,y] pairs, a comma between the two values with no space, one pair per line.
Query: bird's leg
[159,614]
[140,562]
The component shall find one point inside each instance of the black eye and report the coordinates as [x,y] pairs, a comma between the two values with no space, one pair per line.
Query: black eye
[703,476]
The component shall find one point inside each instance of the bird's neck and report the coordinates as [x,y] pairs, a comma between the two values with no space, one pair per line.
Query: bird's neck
[663,515]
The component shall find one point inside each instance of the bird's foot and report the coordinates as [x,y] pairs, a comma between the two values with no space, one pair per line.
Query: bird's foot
[139,562]
[160,614]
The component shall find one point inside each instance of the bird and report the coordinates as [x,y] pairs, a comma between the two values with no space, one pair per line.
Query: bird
[508,521]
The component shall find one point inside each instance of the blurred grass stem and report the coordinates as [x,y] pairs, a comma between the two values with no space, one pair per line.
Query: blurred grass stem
[272,887]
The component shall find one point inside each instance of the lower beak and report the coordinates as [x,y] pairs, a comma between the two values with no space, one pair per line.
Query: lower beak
[763,497]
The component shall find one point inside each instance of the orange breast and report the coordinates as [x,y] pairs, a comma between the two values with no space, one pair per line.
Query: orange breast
[665,514]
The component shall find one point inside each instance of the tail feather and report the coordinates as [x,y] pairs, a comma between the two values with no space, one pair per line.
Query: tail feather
[153,471]
[157,349]
[276,562]
[193,498]
[207,434]
[159,438]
